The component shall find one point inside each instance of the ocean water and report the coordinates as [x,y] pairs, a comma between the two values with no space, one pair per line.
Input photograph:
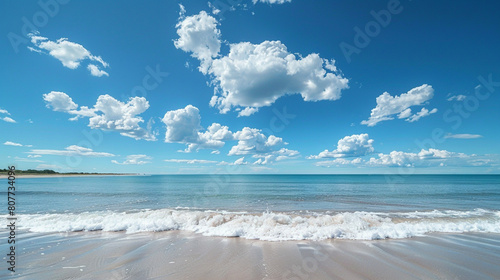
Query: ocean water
[266,207]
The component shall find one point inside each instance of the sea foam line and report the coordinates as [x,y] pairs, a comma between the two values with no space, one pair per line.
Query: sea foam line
[272,226]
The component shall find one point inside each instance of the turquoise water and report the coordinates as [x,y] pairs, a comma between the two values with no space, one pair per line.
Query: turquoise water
[260,193]
[268,207]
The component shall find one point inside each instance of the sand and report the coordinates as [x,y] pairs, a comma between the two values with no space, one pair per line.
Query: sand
[184,255]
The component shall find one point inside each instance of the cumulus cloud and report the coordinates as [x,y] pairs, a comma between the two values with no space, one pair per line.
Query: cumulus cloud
[240,161]
[350,146]
[114,115]
[184,126]
[398,158]
[459,97]
[214,137]
[253,141]
[267,149]
[59,101]
[95,71]
[72,150]
[9,143]
[463,136]
[70,54]
[256,75]
[339,162]
[199,35]
[281,154]
[134,160]
[107,114]
[191,161]
[388,106]
[2,111]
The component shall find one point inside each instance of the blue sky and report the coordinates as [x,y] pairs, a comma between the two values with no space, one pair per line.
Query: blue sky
[267,86]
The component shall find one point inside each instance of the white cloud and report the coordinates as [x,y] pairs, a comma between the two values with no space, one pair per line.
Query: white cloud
[240,161]
[463,136]
[191,161]
[29,159]
[182,11]
[34,156]
[350,146]
[9,143]
[121,117]
[423,113]
[405,114]
[339,162]
[388,106]
[215,10]
[253,141]
[214,137]
[256,75]
[285,153]
[199,35]
[72,150]
[184,125]
[59,101]
[135,160]
[267,149]
[459,97]
[95,71]
[279,155]
[424,157]
[272,1]
[247,111]
[6,119]
[107,114]
[9,120]
[69,53]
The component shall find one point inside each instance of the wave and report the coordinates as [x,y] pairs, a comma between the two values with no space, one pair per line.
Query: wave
[272,226]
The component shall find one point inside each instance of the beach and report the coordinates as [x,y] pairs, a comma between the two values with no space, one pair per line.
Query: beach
[184,255]
[255,227]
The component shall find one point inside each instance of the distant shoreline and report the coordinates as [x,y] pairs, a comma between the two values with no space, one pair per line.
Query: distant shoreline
[4,176]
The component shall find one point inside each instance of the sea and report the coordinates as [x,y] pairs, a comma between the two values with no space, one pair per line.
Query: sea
[263,207]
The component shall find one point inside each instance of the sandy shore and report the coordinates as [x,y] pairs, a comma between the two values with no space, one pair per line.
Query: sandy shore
[183,255]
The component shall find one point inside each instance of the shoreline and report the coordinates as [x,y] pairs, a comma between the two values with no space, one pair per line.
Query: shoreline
[18,176]
[181,255]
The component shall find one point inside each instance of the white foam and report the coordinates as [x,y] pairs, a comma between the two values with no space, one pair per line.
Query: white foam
[271,226]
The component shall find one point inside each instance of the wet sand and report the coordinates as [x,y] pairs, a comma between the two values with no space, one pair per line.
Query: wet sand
[184,255]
